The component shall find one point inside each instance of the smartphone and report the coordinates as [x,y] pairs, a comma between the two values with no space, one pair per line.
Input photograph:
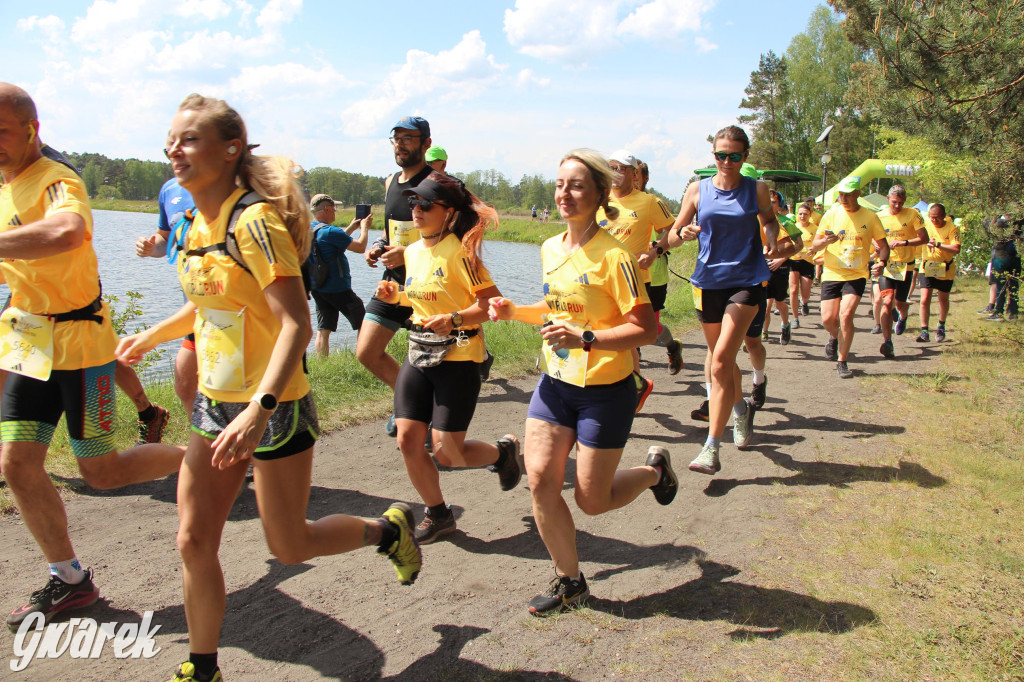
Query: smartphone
[362,210]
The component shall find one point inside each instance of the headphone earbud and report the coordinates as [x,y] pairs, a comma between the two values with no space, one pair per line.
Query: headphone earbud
[31,133]
[232,149]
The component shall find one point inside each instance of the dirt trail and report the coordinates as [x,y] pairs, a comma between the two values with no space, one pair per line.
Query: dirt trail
[673,586]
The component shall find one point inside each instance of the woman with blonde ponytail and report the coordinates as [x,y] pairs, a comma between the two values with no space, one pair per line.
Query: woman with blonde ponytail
[247,307]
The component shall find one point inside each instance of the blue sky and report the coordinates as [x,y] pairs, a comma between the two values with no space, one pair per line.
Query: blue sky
[506,85]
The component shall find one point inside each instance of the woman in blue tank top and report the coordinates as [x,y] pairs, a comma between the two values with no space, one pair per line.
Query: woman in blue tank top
[728,280]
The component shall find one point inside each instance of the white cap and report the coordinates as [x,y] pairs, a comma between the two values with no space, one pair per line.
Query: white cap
[623,156]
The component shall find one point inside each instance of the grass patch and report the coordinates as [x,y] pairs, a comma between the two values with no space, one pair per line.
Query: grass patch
[129,205]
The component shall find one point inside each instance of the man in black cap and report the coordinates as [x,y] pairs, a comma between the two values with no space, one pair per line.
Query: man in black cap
[410,139]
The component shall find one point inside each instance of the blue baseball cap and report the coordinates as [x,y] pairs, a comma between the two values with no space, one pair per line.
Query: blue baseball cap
[414,123]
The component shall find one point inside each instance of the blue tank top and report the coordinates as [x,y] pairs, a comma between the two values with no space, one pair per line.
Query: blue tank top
[730,253]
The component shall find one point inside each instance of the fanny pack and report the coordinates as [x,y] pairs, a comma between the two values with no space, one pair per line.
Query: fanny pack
[84,313]
[429,349]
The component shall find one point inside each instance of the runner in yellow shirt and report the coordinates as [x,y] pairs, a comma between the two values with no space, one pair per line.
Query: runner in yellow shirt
[938,268]
[637,214]
[846,233]
[904,231]
[247,308]
[57,342]
[801,266]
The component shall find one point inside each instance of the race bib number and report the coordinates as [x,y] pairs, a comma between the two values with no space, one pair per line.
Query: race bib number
[26,344]
[934,269]
[220,349]
[402,232]
[568,365]
[850,257]
[698,298]
[896,271]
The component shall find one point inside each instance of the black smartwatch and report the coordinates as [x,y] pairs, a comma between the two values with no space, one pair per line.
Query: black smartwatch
[658,248]
[266,401]
[588,340]
[456,320]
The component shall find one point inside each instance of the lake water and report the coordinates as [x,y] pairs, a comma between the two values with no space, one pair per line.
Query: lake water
[515,269]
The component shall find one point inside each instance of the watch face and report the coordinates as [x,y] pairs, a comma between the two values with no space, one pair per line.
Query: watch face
[588,336]
[268,402]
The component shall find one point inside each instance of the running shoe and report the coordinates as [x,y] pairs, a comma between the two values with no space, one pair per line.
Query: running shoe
[53,598]
[644,389]
[701,414]
[923,337]
[796,323]
[675,356]
[404,552]
[428,443]
[187,673]
[563,593]
[886,349]
[431,529]
[843,370]
[485,366]
[987,310]
[667,486]
[764,336]
[832,349]
[994,317]
[786,335]
[940,334]
[510,473]
[760,393]
[805,310]
[901,326]
[1011,317]
[390,427]
[743,426]
[877,329]
[707,461]
[153,430]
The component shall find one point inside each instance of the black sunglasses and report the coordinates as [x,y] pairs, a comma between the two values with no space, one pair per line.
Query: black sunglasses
[424,204]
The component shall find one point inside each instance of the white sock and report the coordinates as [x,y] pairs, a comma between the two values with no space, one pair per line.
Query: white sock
[69,571]
[708,387]
[759,376]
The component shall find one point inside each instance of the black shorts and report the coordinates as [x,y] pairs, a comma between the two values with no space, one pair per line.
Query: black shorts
[804,267]
[388,315]
[715,301]
[902,289]
[292,429]
[657,293]
[833,290]
[443,396]
[943,285]
[31,408]
[778,285]
[330,303]
[757,324]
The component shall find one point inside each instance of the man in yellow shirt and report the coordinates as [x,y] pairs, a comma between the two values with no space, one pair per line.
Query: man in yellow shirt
[57,341]
[846,234]
[938,268]
[638,214]
[904,231]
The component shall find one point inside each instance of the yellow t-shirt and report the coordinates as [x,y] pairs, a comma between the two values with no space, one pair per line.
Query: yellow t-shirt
[215,281]
[815,218]
[849,258]
[594,287]
[63,282]
[903,225]
[807,236]
[438,280]
[639,214]
[947,234]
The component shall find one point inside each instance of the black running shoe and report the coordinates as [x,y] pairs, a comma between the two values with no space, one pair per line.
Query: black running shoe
[675,356]
[510,473]
[843,370]
[54,597]
[886,349]
[805,310]
[760,393]
[431,529]
[832,349]
[701,414]
[563,593]
[667,486]
[485,366]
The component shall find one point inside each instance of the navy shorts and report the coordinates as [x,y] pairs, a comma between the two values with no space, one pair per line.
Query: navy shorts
[601,416]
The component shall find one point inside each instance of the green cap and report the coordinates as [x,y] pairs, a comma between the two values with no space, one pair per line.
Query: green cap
[849,184]
[436,153]
[749,171]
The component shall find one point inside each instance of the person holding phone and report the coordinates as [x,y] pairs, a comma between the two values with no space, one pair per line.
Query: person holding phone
[335,296]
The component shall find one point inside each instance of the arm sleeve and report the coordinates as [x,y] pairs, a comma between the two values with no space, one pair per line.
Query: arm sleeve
[162,223]
[339,238]
[474,281]
[266,245]
[660,215]
[623,283]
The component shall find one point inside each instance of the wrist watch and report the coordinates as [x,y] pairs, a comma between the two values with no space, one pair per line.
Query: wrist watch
[266,401]
[588,340]
[457,320]
[654,245]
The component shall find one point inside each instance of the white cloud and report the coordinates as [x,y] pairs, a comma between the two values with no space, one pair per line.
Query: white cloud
[458,73]
[704,45]
[285,80]
[207,10]
[107,21]
[278,12]
[527,80]
[570,30]
[49,25]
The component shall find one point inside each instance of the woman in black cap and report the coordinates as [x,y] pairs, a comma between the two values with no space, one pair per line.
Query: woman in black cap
[448,288]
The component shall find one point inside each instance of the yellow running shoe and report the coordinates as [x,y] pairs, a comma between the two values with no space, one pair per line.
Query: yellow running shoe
[187,673]
[404,552]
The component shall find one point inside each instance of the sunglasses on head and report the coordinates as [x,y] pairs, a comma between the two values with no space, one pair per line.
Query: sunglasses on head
[735,157]
[424,204]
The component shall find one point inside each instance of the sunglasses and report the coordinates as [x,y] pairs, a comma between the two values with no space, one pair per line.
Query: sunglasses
[424,204]
[735,157]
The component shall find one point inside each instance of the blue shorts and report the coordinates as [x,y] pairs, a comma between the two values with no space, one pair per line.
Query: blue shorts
[601,416]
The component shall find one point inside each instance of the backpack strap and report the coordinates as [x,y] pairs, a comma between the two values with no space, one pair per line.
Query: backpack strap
[230,244]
